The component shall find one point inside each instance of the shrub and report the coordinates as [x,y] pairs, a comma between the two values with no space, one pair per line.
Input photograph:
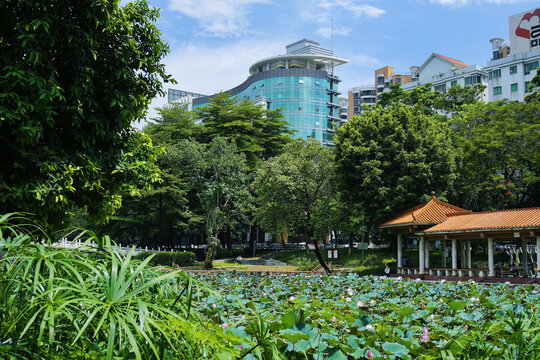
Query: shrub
[169,258]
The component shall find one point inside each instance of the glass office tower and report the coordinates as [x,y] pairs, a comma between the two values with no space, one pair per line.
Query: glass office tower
[302,82]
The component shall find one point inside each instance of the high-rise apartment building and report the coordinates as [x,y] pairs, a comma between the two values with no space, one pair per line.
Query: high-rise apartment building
[360,96]
[384,77]
[302,82]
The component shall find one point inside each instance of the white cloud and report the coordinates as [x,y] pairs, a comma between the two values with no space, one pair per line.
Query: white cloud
[353,7]
[217,17]
[323,11]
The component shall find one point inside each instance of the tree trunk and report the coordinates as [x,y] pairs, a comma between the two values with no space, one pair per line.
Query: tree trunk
[318,253]
[253,239]
[229,240]
[351,242]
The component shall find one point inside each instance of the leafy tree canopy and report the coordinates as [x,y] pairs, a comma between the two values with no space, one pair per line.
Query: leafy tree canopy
[534,84]
[448,102]
[499,146]
[294,190]
[75,75]
[258,133]
[389,159]
[217,176]
[174,123]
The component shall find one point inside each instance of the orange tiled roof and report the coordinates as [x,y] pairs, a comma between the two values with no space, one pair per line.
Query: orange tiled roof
[432,212]
[490,220]
[451,60]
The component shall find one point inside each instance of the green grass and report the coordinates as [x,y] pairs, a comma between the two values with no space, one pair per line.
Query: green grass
[373,261]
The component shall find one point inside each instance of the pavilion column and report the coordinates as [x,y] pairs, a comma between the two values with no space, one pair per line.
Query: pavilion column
[399,254]
[525,258]
[443,253]
[421,253]
[538,257]
[468,254]
[463,260]
[491,262]
[454,257]
[426,257]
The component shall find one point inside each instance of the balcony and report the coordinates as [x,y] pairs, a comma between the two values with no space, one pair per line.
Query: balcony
[333,77]
[330,104]
[332,91]
[333,118]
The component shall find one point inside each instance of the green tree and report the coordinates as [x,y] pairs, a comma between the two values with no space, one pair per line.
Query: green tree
[258,133]
[173,124]
[534,84]
[74,76]
[218,182]
[294,191]
[389,159]
[431,101]
[499,146]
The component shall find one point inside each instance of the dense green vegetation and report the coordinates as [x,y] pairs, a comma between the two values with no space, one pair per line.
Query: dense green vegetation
[74,76]
[351,317]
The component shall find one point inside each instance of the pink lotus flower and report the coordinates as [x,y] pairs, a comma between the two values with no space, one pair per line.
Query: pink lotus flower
[213,306]
[369,355]
[424,338]
[224,325]
[370,327]
[348,299]
[350,291]
[291,298]
[241,347]
[243,317]
[432,316]
[333,319]
[425,331]
[359,303]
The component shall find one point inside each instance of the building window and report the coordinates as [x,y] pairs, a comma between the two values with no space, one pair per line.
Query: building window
[380,80]
[494,74]
[398,80]
[280,82]
[475,79]
[527,87]
[299,108]
[497,90]
[441,88]
[262,85]
[453,83]
[530,67]
[317,82]
[514,87]
[316,109]
[513,69]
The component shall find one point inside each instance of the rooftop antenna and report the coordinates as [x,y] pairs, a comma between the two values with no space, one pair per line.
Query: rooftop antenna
[332,37]
[332,45]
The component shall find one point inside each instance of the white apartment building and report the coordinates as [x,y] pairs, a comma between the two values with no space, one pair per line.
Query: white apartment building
[444,72]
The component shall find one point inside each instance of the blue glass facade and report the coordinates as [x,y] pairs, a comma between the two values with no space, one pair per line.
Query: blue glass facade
[308,99]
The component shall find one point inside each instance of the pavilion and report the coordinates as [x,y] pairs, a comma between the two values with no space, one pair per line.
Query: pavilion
[439,221]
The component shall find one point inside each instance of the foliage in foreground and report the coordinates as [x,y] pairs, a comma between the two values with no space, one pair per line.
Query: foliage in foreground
[58,304]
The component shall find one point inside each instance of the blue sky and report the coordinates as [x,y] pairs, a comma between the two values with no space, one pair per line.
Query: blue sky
[213,42]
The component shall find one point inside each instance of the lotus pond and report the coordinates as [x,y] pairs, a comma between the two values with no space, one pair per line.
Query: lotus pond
[351,317]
